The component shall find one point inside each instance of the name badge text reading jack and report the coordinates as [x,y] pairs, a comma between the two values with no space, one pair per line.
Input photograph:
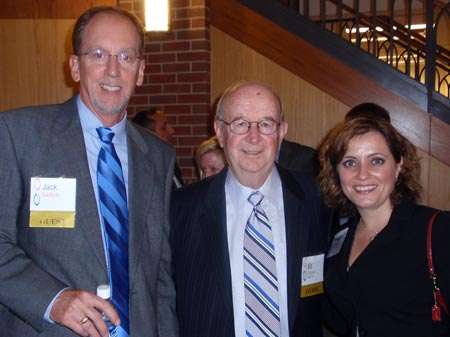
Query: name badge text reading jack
[52,202]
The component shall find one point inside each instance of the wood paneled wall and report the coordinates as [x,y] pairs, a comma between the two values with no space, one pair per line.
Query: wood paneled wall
[309,111]
[45,9]
[33,62]
[36,44]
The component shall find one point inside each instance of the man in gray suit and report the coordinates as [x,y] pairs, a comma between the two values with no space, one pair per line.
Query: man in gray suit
[54,248]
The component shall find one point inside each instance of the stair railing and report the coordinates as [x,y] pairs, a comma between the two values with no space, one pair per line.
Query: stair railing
[390,34]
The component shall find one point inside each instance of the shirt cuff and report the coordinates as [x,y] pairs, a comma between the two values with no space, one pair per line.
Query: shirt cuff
[50,306]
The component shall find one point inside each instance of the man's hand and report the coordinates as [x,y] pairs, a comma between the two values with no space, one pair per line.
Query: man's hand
[81,310]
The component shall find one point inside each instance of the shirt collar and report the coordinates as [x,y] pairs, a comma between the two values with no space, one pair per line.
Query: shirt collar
[269,189]
[90,122]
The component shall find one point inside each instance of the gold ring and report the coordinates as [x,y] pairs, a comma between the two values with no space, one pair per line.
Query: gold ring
[84,320]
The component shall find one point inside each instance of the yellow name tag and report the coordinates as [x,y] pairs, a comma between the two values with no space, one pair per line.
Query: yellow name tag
[312,275]
[52,219]
[312,289]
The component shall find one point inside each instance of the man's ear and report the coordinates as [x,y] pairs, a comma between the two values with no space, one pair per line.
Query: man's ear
[218,128]
[140,77]
[282,131]
[74,63]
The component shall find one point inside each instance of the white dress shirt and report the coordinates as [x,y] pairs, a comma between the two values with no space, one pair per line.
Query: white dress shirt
[238,211]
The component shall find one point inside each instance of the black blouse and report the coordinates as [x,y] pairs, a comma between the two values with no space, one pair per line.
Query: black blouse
[387,290]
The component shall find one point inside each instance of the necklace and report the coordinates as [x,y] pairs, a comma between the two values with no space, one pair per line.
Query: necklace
[363,228]
[373,237]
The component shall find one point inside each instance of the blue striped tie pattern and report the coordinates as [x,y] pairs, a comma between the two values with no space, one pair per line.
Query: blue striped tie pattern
[262,313]
[114,210]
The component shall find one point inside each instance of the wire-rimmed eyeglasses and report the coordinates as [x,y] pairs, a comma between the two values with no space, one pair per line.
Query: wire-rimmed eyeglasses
[240,126]
[126,58]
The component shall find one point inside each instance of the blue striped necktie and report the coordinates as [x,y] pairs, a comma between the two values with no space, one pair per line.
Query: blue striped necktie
[262,313]
[114,210]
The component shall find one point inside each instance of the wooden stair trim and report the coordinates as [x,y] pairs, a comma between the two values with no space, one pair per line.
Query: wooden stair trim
[342,82]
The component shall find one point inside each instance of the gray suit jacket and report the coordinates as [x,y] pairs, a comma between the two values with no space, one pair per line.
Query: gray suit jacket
[37,263]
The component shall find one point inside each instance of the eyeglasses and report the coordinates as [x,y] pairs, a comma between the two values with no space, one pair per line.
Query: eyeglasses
[241,126]
[126,58]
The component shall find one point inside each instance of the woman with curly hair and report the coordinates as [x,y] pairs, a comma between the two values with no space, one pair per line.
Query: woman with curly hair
[377,279]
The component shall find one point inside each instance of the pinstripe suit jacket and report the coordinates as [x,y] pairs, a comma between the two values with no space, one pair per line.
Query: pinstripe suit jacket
[36,263]
[201,259]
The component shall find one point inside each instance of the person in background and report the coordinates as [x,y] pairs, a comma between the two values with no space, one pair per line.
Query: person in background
[304,158]
[76,213]
[369,110]
[251,219]
[154,120]
[377,278]
[210,158]
[298,157]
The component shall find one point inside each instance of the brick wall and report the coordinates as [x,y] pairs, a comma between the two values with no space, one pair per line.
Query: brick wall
[177,76]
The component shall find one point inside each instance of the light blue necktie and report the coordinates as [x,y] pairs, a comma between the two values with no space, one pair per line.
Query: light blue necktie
[262,313]
[113,207]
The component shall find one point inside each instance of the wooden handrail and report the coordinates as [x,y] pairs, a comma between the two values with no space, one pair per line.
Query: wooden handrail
[344,83]
[401,32]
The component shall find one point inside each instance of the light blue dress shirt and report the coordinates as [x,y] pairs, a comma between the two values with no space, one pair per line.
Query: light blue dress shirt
[89,124]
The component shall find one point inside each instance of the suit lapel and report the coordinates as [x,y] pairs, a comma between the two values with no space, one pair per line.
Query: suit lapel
[214,229]
[284,154]
[140,194]
[67,152]
[296,216]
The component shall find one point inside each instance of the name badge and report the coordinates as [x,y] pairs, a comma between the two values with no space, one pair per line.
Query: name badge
[312,275]
[52,202]
[337,243]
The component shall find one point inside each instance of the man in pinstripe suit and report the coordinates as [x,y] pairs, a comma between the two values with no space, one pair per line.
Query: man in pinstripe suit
[209,220]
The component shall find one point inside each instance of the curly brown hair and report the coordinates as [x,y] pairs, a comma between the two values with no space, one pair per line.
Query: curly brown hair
[334,146]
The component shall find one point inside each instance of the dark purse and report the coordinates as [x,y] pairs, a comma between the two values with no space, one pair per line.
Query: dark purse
[438,299]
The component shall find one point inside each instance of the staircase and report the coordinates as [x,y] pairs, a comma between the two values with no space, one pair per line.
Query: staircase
[403,34]
[341,69]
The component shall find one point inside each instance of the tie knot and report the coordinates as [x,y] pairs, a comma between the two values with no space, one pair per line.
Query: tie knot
[255,198]
[106,134]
